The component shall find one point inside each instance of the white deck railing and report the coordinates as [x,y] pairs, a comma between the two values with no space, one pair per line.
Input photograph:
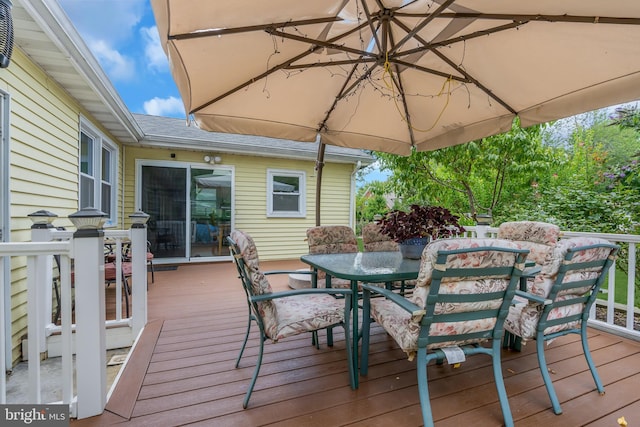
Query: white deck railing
[87,338]
[628,307]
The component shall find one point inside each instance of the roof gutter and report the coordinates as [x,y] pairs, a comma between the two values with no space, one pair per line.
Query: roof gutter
[55,23]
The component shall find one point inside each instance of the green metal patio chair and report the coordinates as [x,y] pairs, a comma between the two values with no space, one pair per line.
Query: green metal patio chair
[331,239]
[461,299]
[282,314]
[558,301]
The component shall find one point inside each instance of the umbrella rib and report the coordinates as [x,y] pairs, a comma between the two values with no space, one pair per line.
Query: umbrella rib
[429,70]
[461,71]
[316,42]
[413,32]
[480,33]
[323,124]
[281,66]
[397,81]
[331,63]
[374,32]
[474,81]
[537,17]
[250,28]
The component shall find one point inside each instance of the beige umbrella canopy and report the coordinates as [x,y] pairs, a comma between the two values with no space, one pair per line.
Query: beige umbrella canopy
[393,75]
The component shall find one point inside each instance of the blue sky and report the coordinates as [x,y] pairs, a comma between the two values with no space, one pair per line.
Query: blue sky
[123,37]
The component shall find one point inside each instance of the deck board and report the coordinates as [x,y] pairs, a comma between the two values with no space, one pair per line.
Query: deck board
[190,376]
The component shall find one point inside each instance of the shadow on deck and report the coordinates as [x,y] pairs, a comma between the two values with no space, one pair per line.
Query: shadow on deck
[181,372]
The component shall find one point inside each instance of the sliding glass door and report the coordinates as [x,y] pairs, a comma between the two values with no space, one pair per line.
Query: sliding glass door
[210,212]
[190,210]
[164,199]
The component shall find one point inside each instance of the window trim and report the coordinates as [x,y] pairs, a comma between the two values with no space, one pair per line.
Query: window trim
[101,143]
[302,200]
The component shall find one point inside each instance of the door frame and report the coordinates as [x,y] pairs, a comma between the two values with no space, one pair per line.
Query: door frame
[139,163]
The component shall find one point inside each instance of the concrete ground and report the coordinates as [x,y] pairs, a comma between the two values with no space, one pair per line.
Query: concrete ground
[50,371]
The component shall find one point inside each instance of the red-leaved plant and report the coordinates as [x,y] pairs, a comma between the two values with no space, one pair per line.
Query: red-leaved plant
[421,221]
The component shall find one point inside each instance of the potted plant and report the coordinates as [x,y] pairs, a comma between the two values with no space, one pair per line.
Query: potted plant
[415,228]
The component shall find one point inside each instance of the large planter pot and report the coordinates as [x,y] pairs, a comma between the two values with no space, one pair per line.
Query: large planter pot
[412,248]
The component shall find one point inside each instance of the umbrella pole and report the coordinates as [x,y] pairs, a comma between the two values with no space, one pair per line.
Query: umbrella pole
[319,166]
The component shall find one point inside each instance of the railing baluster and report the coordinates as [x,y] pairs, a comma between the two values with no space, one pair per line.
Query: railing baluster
[631,286]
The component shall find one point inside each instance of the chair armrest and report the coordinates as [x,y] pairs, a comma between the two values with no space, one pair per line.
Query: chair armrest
[531,271]
[284,294]
[398,299]
[535,298]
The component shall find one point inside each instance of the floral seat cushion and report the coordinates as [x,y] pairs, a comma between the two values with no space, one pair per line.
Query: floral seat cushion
[405,328]
[287,316]
[303,313]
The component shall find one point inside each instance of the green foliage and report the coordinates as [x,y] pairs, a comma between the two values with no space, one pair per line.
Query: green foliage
[628,117]
[474,177]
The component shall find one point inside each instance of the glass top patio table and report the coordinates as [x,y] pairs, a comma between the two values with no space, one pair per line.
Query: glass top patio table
[376,267]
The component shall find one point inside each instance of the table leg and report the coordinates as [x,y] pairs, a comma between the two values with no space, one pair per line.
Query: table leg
[355,334]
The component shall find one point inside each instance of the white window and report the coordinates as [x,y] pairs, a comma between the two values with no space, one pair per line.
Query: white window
[286,193]
[98,163]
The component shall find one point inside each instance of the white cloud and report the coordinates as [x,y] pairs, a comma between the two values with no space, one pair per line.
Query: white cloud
[113,20]
[117,66]
[170,106]
[156,59]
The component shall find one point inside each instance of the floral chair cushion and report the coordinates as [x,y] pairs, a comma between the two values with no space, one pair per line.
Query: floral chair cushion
[259,283]
[375,240]
[405,327]
[523,317]
[332,239]
[304,313]
[538,237]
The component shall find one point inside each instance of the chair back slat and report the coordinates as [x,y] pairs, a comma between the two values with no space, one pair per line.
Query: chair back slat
[472,285]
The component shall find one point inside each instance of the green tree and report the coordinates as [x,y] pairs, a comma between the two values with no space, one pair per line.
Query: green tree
[370,201]
[473,177]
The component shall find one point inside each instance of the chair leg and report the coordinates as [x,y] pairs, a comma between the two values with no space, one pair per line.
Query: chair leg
[244,344]
[56,316]
[255,374]
[330,337]
[423,387]
[347,342]
[499,380]
[153,277]
[127,292]
[542,364]
[587,355]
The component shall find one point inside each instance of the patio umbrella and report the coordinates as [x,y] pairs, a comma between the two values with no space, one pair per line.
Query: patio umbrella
[393,75]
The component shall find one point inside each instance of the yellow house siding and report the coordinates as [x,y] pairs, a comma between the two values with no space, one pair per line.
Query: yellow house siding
[276,238]
[43,161]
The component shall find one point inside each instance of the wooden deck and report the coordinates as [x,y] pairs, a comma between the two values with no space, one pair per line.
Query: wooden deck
[182,372]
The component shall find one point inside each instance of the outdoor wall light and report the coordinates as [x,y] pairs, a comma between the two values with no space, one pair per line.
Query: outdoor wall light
[6,33]
[209,158]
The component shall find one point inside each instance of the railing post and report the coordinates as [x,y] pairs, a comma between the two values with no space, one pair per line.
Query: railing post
[91,353]
[39,298]
[139,271]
